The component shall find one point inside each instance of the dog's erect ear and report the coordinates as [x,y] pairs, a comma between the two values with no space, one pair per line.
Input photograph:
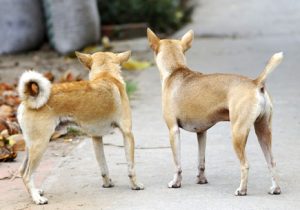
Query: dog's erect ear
[124,56]
[153,40]
[85,59]
[186,40]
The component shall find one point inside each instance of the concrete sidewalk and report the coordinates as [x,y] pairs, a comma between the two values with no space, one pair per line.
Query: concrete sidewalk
[229,39]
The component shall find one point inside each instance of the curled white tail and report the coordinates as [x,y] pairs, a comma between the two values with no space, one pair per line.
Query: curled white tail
[34,89]
[274,61]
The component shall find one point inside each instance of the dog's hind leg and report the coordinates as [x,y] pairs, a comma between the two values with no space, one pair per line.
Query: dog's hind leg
[240,125]
[239,143]
[100,156]
[201,178]
[35,152]
[264,135]
[37,137]
[243,111]
[23,168]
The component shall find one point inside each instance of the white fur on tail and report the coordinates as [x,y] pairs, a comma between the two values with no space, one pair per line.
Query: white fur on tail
[44,89]
[272,64]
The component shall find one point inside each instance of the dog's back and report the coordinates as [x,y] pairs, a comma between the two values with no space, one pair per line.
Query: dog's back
[193,96]
[85,101]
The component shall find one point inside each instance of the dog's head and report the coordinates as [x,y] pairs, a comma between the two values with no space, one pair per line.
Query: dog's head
[181,45]
[170,52]
[103,61]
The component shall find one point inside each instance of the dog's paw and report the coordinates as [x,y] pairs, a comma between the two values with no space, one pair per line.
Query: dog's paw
[174,184]
[137,186]
[275,191]
[108,184]
[201,180]
[40,200]
[37,198]
[241,192]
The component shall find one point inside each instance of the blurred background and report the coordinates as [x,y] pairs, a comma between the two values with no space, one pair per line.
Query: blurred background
[70,25]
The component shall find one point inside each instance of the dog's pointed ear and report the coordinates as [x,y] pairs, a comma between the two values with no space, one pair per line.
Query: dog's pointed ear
[153,40]
[187,39]
[124,56]
[85,59]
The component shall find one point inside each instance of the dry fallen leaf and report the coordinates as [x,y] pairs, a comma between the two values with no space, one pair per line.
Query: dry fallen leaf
[68,76]
[5,86]
[6,111]
[11,100]
[92,49]
[49,75]
[106,43]
[6,150]
[17,142]
[3,124]
[4,133]
[136,65]
[13,128]
[68,140]
[59,133]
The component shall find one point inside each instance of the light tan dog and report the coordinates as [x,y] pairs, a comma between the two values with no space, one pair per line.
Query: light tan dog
[97,105]
[195,102]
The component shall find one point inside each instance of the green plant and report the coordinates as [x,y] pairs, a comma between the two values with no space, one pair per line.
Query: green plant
[74,131]
[161,15]
[131,87]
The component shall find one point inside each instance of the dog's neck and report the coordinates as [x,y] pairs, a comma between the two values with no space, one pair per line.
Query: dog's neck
[111,69]
[167,63]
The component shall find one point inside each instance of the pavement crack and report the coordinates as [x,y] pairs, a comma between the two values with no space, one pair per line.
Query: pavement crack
[141,148]
[159,147]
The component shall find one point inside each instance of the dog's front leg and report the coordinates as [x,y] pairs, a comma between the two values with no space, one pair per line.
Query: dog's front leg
[129,152]
[201,178]
[175,146]
[99,152]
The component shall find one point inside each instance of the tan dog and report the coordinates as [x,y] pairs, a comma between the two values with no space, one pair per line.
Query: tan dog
[98,106]
[195,102]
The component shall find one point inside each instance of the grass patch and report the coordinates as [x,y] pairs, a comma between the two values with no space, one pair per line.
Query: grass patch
[131,88]
[74,131]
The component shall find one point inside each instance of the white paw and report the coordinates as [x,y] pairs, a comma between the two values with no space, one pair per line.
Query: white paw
[174,184]
[40,200]
[275,190]
[240,192]
[137,186]
[201,179]
[108,184]
[37,198]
